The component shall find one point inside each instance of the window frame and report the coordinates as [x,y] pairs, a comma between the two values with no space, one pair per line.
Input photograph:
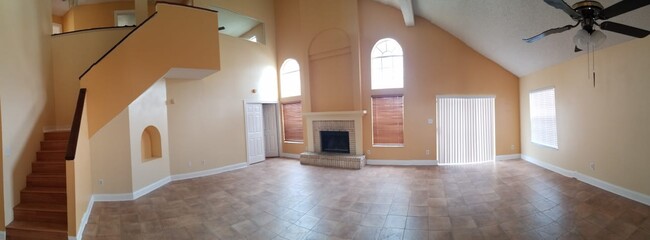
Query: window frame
[284,74]
[378,74]
[373,123]
[540,140]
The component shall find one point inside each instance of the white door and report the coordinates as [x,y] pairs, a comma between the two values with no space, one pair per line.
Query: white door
[270,131]
[254,132]
[465,129]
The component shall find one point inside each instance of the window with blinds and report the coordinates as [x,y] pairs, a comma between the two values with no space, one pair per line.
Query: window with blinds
[292,122]
[388,120]
[542,117]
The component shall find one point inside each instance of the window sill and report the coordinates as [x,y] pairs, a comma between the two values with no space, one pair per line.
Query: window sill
[294,142]
[388,145]
[546,146]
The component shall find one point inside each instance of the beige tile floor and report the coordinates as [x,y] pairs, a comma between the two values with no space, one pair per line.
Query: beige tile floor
[281,199]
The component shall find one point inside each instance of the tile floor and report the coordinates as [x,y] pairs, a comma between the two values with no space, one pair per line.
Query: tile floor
[281,199]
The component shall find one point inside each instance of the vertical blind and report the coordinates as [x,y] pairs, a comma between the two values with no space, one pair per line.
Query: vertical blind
[543,121]
[465,129]
[388,120]
[292,121]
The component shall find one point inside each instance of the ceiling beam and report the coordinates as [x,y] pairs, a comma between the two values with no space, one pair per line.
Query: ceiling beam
[407,11]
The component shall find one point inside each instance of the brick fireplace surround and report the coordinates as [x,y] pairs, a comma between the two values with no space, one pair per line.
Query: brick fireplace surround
[334,121]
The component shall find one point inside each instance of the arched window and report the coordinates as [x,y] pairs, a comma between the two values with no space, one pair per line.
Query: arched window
[290,78]
[387,64]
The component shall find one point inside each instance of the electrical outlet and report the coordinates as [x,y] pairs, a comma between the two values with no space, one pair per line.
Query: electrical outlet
[101,181]
[430,121]
[202,162]
[592,165]
[428,152]
[512,147]
[368,152]
[189,164]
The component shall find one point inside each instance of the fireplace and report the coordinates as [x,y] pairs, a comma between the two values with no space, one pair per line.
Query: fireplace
[335,141]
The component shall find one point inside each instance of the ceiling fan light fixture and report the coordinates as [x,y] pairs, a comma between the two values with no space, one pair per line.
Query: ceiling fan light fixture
[581,39]
[597,38]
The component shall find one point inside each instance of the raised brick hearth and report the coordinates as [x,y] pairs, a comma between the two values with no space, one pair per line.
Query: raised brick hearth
[334,121]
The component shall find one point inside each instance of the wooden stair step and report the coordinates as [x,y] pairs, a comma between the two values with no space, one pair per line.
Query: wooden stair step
[54,145]
[48,167]
[50,156]
[43,180]
[18,230]
[41,212]
[57,135]
[48,195]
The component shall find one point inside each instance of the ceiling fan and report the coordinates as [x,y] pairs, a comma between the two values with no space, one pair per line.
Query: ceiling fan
[587,13]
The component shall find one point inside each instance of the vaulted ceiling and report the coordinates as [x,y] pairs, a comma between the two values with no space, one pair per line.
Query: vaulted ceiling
[496,28]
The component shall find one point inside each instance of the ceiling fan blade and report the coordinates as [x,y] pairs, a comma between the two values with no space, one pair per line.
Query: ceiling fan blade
[622,7]
[624,29]
[576,49]
[548,32]
[559,4]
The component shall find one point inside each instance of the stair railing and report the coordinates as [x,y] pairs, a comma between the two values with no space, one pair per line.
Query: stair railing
[76,124]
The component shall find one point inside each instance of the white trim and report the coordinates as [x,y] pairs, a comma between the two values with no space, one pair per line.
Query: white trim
[147,189]
[403,162]
[84,220]
[3,235]
[290,155]
[636,196]
[549,166]
[113,197]
[508,157]
[624,192]
[208,172]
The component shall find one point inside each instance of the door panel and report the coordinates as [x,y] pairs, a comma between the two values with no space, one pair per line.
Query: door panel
[254,132]
[270,131]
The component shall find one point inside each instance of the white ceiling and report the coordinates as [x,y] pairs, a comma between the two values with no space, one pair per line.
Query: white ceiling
[495,28]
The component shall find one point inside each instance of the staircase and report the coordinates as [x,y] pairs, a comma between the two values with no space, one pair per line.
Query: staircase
[42,212]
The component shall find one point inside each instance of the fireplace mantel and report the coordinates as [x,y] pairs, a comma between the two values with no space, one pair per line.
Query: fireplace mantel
[355,116]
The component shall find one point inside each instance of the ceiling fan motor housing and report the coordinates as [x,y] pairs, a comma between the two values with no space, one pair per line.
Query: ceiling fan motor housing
[589,12]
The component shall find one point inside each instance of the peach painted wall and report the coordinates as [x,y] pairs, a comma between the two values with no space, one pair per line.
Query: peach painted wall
[110,151]
[606,125]
[2,198]
[78,174]
[94,15]
[149,109]
[176,37]
[298,23]
[72,54]
[206,121]
[26,90]
[57,19]
[435,63]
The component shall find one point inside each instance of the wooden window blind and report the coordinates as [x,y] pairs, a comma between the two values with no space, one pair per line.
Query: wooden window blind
[388,120]
[292,121]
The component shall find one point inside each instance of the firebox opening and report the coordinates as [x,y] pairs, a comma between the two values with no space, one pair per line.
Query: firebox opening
[335,141]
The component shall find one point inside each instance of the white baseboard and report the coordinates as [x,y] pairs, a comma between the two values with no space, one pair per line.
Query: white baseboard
[3,235]
[562,171]
[113,197]
[402,162]
[508,157]
[84,220]
[290,155]
[143,191]
[208,172]
[624,192]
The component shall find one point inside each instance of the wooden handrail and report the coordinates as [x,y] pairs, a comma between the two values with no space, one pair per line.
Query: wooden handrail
[76,124]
